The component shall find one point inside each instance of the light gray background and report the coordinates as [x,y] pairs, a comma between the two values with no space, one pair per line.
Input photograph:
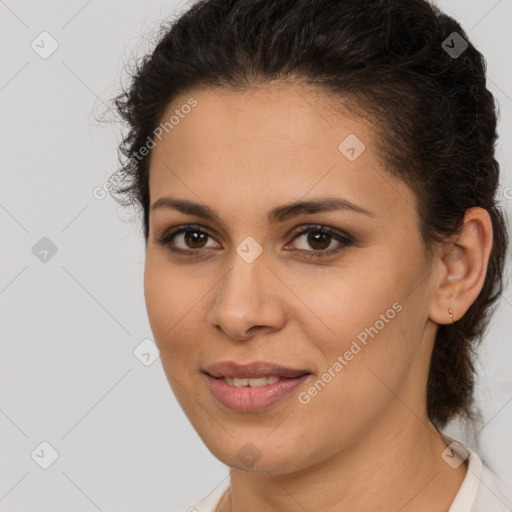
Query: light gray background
[68,375]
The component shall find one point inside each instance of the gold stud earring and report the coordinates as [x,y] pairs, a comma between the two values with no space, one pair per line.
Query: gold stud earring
[451,314]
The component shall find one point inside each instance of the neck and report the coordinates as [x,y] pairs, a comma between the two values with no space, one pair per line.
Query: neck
[390,469]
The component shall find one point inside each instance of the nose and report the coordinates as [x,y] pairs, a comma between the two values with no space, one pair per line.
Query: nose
[248,301]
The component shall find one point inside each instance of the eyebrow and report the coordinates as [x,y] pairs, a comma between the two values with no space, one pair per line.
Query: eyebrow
[276,215]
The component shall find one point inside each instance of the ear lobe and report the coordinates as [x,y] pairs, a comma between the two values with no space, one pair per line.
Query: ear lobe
[463,267]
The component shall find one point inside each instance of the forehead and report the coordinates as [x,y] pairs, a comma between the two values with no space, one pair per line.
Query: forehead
[276,118]
[269,144]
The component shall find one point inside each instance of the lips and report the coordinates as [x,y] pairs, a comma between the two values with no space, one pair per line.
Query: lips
[253,370]
[247,399]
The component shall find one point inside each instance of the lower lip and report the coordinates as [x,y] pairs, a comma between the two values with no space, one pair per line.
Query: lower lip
[247,399]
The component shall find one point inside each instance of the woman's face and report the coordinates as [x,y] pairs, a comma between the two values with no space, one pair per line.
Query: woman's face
[346,303]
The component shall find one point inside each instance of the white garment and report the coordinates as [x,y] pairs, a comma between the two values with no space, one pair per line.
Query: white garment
[478,492]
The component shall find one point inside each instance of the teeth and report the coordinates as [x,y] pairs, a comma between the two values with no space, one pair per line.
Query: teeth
[253,383]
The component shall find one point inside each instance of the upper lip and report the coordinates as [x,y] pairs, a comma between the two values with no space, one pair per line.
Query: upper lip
[254,369]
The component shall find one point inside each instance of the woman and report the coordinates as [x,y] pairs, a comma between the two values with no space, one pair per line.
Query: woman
[323,246]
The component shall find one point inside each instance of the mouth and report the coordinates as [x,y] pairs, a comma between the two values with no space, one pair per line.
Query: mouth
[253,371]
[253,382]
[252,387]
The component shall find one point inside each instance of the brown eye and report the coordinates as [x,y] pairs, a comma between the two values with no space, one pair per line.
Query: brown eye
[187,239]
[318,239]
[194,239]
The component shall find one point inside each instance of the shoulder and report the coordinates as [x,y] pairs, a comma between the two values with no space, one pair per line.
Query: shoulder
[210,502]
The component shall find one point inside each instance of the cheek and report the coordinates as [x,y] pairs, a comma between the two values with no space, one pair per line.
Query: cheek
[348,302]
[170,311]
[170,304]
[362,364]
[367,325]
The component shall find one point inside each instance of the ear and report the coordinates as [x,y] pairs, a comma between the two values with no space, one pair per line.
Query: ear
[461,268]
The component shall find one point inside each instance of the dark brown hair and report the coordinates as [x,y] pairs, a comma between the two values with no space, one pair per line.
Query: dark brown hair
[393,62]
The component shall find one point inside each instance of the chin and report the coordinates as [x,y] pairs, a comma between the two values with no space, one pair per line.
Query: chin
[257,454]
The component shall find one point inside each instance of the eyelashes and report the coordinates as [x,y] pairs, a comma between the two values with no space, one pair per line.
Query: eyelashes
[317,235]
